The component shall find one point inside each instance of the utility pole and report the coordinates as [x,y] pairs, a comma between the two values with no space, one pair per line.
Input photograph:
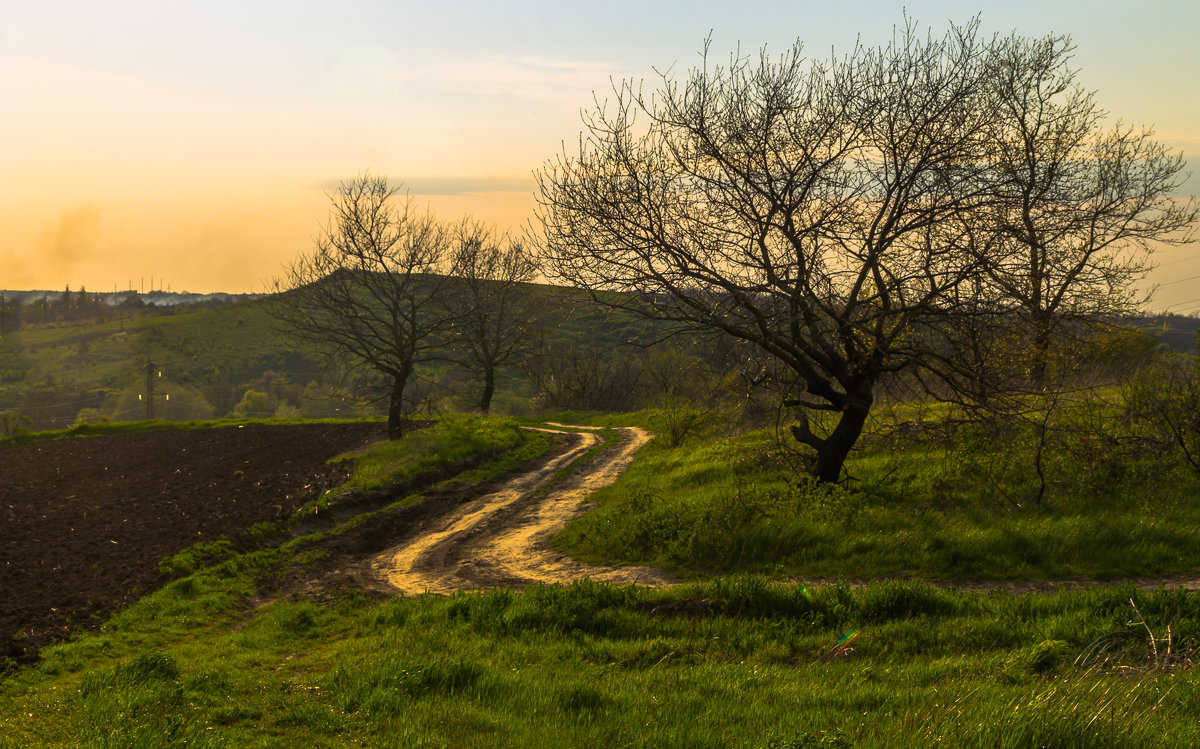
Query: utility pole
[152,374]
[149,389]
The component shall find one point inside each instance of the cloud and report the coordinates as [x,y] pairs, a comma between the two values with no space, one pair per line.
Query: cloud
[527,76]
[451,185]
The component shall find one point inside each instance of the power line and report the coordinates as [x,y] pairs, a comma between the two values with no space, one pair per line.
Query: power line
[1195,301]
[1181,280]
[1178,260]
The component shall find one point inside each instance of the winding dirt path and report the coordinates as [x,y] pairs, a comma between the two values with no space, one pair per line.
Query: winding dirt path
[502,539]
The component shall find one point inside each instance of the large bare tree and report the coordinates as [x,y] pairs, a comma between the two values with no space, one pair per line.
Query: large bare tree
[818,210]
[369,293]
[494,312]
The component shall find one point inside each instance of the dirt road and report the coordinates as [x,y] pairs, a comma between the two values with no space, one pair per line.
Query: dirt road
[502,539]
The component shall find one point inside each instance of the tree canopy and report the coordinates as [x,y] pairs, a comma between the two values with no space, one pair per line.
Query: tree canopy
[843,216]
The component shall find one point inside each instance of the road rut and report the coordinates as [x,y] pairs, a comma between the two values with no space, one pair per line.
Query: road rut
[502,538]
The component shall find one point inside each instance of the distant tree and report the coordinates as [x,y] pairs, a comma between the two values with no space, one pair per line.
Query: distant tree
[494,314]
[14,423]
[367,295]
[584,375]
[254,404]
[1163,405]
[90,415]
[10,315]
[221,395]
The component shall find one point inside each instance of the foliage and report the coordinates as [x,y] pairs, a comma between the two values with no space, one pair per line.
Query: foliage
[14,425]
[1163,402]
[254,403]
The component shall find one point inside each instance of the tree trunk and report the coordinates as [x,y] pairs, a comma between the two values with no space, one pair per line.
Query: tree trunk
[833,450]
[489,389]
[396,407]
[832,454]
[1041,352]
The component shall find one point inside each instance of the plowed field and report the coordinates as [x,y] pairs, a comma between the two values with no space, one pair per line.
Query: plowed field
[85,521]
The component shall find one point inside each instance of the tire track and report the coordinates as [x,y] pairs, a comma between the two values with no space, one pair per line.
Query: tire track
[502,539]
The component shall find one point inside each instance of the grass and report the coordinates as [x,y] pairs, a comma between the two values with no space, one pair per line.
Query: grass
[725,660]
[447,444]
[927,509]
[730,662]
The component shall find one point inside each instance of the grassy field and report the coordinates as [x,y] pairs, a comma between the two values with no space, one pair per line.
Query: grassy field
[941,508]
[731,662]
[731,659]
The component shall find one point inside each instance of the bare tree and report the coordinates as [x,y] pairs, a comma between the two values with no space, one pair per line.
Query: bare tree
[1079,203]
[585,375]
[1078,206]
[817,210]
[494,314]
[367,295]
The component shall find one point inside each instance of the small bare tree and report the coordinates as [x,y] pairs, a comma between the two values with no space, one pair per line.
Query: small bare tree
[584,375]
[494,314]
[1078,203]
[368,295]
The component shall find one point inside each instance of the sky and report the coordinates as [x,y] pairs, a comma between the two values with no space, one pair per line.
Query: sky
[194,145]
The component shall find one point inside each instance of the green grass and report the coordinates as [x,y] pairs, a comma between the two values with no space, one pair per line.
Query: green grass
[732,662]
[449,442]
[935,509]
[726,660]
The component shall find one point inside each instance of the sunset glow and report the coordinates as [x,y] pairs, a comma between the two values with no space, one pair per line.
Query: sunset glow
[196,143]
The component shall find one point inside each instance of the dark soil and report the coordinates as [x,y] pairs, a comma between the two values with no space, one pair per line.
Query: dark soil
[86,520]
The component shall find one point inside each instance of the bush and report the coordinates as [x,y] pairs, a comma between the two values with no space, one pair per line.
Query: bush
[1163,406]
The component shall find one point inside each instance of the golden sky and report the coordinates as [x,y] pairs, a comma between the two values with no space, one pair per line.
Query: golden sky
[196,142]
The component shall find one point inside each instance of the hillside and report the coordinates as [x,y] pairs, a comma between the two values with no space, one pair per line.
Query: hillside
[206,358]
[222,358]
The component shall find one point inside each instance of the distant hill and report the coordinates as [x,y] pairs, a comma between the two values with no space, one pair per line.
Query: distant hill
[114,298]
[1176,331]
[67,357]
[83,356]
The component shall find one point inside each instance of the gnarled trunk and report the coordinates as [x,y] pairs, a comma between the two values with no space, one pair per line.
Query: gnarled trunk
[831,456]
[833,449]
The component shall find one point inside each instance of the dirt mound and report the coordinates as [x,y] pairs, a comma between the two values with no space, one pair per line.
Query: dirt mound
[87,520]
